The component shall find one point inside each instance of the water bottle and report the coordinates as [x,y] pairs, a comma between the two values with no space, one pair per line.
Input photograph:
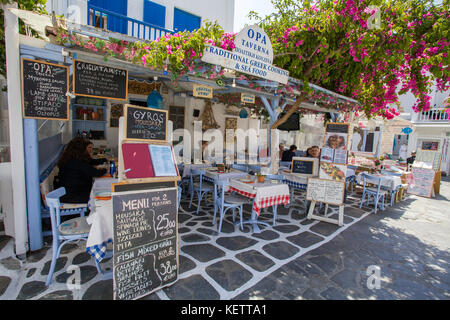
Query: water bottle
[112,169]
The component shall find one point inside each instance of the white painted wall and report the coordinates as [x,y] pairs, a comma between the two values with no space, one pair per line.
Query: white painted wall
[221,11]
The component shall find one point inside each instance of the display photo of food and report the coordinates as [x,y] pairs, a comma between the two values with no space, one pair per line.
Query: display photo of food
[331,171]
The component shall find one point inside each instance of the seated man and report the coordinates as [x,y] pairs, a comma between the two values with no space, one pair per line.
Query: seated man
[411,159]
[313,152]
[289,154]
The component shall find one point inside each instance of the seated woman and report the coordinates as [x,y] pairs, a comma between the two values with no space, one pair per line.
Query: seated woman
[76,171]
[313,152]
[289,154]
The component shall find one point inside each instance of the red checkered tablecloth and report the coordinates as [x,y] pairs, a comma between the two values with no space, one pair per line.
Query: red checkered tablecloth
[265,194]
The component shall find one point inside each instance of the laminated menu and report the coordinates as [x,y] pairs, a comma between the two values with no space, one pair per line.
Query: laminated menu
[163,161]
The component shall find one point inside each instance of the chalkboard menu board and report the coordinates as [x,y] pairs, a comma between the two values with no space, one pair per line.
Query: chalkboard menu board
[305,166]
[44,88]
[145,123]
[145,242]
[325,191]
[95,80]
[423,182]
[335,127]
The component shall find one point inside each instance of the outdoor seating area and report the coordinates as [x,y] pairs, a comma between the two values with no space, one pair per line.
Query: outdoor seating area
[191,166]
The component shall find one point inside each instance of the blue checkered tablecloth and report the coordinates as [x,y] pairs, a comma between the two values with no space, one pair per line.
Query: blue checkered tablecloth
[98,251]
[295,185]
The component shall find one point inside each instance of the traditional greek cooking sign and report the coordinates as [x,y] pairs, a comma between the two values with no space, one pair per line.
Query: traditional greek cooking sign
[202,91]
[253,55]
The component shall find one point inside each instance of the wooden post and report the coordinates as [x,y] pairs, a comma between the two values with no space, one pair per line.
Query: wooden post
[13,71]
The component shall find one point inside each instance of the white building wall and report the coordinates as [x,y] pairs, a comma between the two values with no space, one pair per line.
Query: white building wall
[221,11]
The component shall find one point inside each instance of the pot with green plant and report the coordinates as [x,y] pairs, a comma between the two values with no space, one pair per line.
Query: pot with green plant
[260,177]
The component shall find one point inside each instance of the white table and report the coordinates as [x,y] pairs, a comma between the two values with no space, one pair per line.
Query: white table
[267,194]
[100,219]
[187,168]
[389,182]
[212,173]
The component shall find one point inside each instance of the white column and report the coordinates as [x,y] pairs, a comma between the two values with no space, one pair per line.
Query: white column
[16,130]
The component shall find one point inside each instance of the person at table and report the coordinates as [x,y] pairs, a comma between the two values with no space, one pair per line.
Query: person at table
[205,154]
[411,159]
[76,170]
[289,154]
[313,152]
[280,150]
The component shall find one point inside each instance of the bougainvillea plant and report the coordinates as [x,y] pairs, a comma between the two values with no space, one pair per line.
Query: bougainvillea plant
[370,50]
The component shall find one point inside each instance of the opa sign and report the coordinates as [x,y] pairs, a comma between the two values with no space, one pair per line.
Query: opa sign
[254,40]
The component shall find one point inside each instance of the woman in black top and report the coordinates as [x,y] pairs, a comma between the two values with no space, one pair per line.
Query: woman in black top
[76,171]
[289,154]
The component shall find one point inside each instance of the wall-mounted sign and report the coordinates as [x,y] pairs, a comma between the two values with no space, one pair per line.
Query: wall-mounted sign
[95,80]
[430,145]
[202,91]
[145,242]
[143,87]
[247,98]
[253,55]
[145,123]
[44,88]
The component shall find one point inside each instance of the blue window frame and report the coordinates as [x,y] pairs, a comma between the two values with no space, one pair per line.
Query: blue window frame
[114,23]
[183,21]
[154,13]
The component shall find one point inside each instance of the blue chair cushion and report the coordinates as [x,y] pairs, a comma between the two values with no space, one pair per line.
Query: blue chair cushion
[374,190]
[74,226]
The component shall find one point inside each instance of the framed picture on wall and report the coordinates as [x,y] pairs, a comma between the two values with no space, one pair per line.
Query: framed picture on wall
[116,113]
[430,145]
[231,123]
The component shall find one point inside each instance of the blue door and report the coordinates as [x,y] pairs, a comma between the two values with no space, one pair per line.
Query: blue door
[183,21]
[116,23]
[154,13]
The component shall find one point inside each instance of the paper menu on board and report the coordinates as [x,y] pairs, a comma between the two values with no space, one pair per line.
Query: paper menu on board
[326,191]
[326,154]
[163,161]
[340,156]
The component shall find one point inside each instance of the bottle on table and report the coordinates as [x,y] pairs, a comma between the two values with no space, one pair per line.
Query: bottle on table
[112,168]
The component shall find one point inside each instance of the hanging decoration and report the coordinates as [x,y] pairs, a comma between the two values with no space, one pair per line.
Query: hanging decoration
[207,117]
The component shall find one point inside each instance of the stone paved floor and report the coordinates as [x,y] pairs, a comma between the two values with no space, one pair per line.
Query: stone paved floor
[296,259]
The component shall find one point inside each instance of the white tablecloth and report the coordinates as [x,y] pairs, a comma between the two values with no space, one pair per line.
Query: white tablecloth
[390,182]
[211,174]
[266,194]
[188,167]
[100,219]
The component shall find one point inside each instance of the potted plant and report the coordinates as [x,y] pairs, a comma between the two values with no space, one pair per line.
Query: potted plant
[260,177]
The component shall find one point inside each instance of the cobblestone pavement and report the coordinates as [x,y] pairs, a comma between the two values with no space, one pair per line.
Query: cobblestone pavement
[407,245]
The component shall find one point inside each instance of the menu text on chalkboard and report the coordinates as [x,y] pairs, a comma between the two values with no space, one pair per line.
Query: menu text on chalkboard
[303,165]
[145,242]
[44,88]
[337,127]
[145,123]
[95,80]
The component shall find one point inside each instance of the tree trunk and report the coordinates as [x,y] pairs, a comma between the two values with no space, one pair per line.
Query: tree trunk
[293,109]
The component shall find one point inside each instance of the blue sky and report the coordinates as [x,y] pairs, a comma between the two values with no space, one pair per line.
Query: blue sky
[243,7]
